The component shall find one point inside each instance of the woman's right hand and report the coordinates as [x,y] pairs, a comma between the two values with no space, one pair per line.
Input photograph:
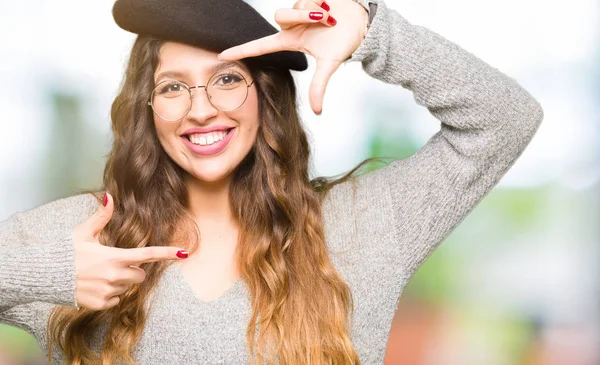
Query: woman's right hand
[103,273]
[329,43]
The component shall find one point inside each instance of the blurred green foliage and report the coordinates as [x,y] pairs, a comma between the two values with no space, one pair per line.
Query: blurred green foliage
[18,344]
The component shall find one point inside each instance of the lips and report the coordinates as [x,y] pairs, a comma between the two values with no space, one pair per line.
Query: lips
[212,128]
[203,148]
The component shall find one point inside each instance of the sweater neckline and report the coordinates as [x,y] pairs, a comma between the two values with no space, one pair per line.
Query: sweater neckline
[231,292]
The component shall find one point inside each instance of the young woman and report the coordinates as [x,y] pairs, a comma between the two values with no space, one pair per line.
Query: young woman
[212,246]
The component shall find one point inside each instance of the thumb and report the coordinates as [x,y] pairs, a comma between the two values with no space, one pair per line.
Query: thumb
[325,68]
[99,220]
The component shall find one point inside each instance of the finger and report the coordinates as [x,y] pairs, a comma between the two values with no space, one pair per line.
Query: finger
[101,306]
[118,289]
[312,4]
[112,302]
[323,72]
[287,18]
[94,224]
[258,47]
[131,275]
[320,3]
[136,256]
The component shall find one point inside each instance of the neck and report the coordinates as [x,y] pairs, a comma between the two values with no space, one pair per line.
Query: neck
[209,204]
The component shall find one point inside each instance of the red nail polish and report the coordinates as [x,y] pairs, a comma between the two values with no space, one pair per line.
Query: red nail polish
[315,15]
[331,21]
[105,200]
[182,254]
[325,6]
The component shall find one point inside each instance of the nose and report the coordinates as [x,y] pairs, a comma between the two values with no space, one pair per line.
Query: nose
[201,109]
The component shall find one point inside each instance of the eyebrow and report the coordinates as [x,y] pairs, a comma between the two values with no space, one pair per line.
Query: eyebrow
[212,70]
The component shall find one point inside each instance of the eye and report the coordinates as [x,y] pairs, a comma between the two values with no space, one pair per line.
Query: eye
[228,80]
[171,89]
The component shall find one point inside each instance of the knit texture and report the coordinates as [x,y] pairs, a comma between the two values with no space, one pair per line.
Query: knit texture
[379,226]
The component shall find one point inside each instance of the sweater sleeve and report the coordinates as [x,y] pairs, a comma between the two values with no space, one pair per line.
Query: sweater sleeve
[37,263]
[487,120]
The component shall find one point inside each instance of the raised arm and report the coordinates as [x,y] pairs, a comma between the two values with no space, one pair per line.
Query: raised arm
[487,120]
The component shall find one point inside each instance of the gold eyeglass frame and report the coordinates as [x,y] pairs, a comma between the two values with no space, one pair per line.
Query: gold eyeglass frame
[190,88]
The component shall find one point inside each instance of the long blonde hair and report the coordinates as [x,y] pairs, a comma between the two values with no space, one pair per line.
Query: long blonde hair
[301,307]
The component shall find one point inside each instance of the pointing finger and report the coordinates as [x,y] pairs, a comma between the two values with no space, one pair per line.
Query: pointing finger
[325,68]
[258,47]
[137,256]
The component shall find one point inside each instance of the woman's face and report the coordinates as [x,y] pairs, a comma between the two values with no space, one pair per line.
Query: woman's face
[198,142]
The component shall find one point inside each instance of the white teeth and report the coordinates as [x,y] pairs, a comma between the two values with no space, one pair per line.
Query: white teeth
[204,139]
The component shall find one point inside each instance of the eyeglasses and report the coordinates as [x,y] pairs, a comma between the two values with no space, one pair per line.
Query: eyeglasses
[227,90]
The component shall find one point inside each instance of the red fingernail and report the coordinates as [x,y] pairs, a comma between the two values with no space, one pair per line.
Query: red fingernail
[182,254]
[331,21]
[315,15]
[105,200]
[325,6]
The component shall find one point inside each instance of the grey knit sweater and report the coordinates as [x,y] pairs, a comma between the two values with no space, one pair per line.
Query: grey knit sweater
[379,227]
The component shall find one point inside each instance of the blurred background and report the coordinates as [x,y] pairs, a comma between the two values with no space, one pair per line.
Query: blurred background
[516,283]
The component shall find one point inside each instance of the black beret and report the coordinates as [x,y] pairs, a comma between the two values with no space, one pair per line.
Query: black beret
[214,25]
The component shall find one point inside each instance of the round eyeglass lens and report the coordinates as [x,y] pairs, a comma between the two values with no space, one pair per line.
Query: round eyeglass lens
[171,100]
[227,90]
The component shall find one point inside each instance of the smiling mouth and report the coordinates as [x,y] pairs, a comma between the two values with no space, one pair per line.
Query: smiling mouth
[207,139]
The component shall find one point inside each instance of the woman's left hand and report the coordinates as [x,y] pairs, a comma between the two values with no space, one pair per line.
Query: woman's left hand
[329,44]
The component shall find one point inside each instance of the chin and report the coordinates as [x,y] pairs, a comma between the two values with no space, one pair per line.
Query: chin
[211,173]
[218,168]
[210,176]
[209,169]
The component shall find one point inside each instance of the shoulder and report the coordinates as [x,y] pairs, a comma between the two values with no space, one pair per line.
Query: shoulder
[58,216]
[363,189]
[359,201]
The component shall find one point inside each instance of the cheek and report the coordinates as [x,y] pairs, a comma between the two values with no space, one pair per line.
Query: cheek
[251,128]
[252,116]
[163,131]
